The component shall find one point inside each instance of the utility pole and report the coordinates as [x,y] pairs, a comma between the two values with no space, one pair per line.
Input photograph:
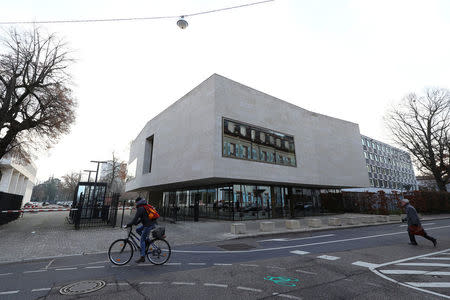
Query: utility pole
[96,174]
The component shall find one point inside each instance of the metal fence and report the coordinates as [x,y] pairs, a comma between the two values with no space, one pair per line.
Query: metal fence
[93,215]
[9,202]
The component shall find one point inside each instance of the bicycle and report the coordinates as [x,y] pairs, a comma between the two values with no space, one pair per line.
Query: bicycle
[157,249]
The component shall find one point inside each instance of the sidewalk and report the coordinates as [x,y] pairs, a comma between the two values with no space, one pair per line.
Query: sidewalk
[43,235]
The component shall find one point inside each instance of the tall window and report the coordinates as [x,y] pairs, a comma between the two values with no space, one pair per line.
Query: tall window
[148,154]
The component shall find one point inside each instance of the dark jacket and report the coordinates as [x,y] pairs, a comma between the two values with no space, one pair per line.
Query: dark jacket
[411,215]
[141,215]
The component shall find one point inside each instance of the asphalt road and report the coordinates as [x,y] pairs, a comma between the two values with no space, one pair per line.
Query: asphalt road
[372,262]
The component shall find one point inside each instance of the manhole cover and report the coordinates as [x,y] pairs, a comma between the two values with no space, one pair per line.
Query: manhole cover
[82,287]
[236,247]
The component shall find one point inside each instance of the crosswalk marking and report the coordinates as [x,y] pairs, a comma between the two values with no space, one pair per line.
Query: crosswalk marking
[364,264]
[424,264]
[299,252]
[430,284]
[328,257]
[414,272]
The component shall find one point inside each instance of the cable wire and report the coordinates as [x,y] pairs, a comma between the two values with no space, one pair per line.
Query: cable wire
[134,18]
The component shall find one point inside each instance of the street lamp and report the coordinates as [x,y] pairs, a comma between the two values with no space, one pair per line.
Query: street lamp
[182,23]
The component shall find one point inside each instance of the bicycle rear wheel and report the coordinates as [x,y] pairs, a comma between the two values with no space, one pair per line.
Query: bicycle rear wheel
[120,252]
[158,252]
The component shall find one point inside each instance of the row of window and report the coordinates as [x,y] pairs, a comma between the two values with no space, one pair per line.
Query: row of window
[386,171]
[257,153]
[387,160]
[257,144]
[258,135]
[388,150]
[392,185]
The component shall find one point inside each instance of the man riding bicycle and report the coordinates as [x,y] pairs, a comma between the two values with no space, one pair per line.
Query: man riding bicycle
[141,216]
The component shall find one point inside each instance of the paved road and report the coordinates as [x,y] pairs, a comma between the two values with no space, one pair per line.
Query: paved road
[358,263]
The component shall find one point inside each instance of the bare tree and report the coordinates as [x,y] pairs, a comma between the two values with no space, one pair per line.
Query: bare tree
[115,174]
[69,184]
[421,124]
[37,106]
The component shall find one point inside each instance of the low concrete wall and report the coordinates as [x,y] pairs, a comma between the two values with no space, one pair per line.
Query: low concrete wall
[315,223]
[334,222]
[395,218]
[238,228]
[292,224]
[382,218]
[267,226]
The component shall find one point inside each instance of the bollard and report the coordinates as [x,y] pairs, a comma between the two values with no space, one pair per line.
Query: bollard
[292,224]
[237,228]
[314,223]
[334,222]
[267,226]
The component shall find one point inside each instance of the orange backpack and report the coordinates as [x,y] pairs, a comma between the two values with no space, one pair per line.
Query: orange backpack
[151,211]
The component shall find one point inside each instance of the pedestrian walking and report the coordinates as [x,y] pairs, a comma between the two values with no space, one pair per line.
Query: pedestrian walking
[414,225]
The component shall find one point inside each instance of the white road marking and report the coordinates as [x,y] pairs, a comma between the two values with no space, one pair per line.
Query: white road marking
[364,264]
[183,283]
[299,252]
[273,267]
[248,289]
[306,272]
[218,264]
[297,239]
[328,257]
[9,292]
[301,245]
[424,264]
[4,274]
[414,272]
[173,264]
[42,289]
[95,267]
[286,296]
[436,258]
[49,264]
[197,264]
[150,282]
[430,284]
[65,269]
[118,283]
[422,224]
[406,285]
[216,284]
[35,271]
[248,265]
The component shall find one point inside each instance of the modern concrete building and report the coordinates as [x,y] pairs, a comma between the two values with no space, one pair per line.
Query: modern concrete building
[389,168]
[16,178]
[228,151]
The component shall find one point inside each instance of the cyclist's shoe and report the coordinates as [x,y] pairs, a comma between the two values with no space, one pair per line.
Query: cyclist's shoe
[141,260]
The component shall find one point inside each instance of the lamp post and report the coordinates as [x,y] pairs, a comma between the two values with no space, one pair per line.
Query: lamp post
[96,174]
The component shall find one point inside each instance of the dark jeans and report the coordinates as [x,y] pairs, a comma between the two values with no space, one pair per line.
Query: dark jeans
[412,238]
[144,232]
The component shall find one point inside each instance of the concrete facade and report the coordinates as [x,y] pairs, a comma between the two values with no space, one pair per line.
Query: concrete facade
[185,143]
[17,178]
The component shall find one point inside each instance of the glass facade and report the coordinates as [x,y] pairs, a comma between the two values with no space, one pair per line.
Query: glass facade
[249,142]
[388,167]
[241,202]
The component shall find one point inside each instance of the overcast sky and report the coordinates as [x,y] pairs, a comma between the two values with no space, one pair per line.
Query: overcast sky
[347,59]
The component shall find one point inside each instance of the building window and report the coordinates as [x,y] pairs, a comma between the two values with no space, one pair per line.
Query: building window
[148,155]
[249,142]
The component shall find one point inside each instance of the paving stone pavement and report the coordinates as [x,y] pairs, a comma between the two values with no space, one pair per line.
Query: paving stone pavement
[47,234]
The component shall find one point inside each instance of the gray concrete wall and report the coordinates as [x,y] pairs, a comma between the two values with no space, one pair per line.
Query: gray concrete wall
[328,150]
[183,146]
[188,141]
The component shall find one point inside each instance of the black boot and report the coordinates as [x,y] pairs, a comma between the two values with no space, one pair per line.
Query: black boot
[141,260]
[434,242]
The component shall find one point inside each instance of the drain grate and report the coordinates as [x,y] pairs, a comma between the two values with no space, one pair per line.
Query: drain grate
[82,287]
[236,247]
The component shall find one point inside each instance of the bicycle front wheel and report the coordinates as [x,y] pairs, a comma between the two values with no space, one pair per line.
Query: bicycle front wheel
[120,252]
[158,252]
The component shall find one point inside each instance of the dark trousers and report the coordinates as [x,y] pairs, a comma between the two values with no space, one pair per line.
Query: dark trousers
[412,238]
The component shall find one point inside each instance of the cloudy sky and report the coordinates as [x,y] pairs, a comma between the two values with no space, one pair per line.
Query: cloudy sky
[350,59]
